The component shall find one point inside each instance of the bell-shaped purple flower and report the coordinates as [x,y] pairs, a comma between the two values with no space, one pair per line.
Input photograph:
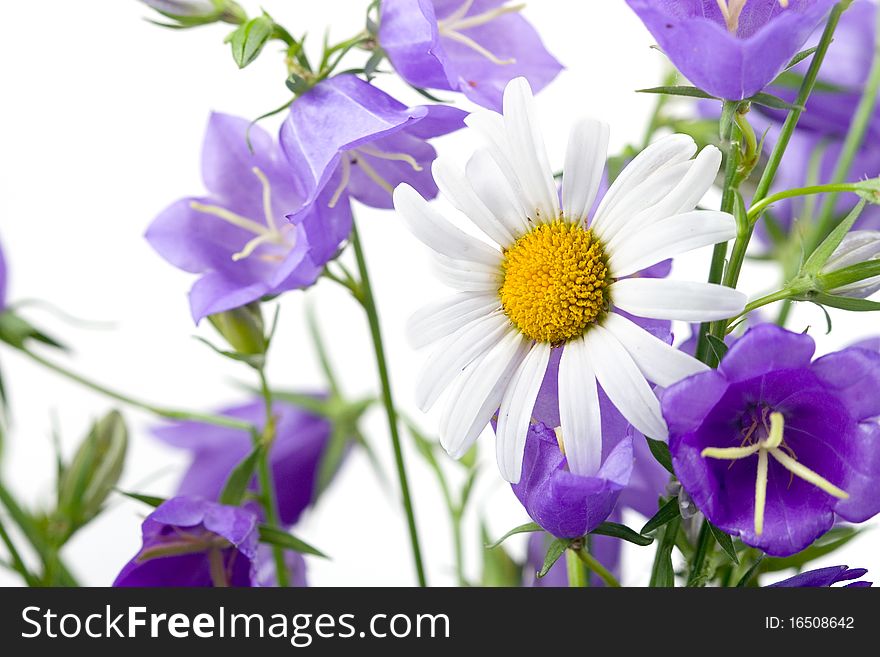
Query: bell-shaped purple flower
[295,455]
[472,46]
[237,237]
[346,136]
[825,577]
[731,49]
[773,447]
[190,542]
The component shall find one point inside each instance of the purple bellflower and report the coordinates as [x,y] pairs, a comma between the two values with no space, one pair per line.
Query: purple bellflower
[295,456]
[472,46]
[237,237]
[825,577]
[190,542]
[731,49]
[347,137]
[772,447]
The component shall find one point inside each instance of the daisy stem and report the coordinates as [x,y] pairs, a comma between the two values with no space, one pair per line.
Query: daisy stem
[578,577]
[731,275]
[854,139]
[596,566]
[368,303]
[167,413]
[268,497]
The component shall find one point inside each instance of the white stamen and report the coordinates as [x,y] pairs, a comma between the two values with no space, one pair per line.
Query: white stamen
[732,9]
[374,175]
[452,25]
[267,199]
[773,446]
[385,155]
[251,246]
[229,217]
[343,182]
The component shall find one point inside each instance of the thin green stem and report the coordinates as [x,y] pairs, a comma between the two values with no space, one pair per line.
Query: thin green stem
[705,545]
[578,577]
[267,486]
[854,139]
[596,566]
[168,413]
[811,190]
[17,563]
[368,303]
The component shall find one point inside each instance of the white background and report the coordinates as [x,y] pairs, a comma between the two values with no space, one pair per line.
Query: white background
[102,117]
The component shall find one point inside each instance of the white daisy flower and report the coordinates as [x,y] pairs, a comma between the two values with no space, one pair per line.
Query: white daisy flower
[559,278]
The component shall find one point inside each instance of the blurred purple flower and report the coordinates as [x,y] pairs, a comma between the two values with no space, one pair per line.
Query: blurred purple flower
[237,237]
[345,136]
[771,447]
[825,577]
[472,46]
[731,49]
[295,455]
[267,576]
[190,542]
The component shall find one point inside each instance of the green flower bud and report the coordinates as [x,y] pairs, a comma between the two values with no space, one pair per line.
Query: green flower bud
[243,329]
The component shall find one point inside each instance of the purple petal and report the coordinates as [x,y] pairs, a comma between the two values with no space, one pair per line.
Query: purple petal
[765,348]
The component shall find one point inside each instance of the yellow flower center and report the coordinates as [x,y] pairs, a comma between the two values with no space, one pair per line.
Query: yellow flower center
[555,280]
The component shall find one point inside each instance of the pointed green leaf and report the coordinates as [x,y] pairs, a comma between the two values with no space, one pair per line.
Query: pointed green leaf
[801,56]
[750,573]
[718,346]
[820,256]
[774,102]
[622,532]
[150,500]
[663,573]
[499,568]
[660,450]
[847,303]
[241,475]
[852,274]
[725,541]
[666,513]
[557,549]
[248,39]
[282,539]
[690,92]
[522,529]
[834,539]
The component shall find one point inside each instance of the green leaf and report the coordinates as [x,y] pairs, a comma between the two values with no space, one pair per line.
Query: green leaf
[820,256]
[801,56]
[846,303]
[467,489]
[750,573]
[254,360]
[663,573]
[499,568]
[241,475]
[774,102]
[852,274]
[622,532]
[834,539]
[522,529]
[690,92]
[282,539]
[667,512]
[249,38]
[717,345]
[556,550]
[660,450]
[150,500]
[828,323]
[725,541]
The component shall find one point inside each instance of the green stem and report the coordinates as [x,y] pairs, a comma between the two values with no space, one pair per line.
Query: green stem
[705,544]
[595,565]
[578,577]
[17,563]
[267,486]
[168,413]
[716,268]
[854,139]
[368,303]
[458,545]
[788,127]
[811,190]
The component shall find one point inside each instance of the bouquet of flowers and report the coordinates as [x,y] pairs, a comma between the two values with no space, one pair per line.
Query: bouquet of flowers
[610,387]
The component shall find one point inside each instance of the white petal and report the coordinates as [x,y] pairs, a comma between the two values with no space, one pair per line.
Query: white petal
[667,151]
[624,384]
[856,247]
[456,188]
[527,152]
[492,187]
[584,164]
[516,411]
[668,238]
[491,126]
[579,411]
[477,393]
[455,353]
[688,301]
[467,275]
[659,362]
[648,193]
[437,233]
[442,318]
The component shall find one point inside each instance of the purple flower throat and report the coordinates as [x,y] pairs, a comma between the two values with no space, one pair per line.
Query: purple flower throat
[177,541]
[732,9]
[763,432]
[452,27]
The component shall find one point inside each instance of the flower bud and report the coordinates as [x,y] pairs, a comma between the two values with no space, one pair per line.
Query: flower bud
[243,329]
[191,13]
[857,247]
[92,474]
